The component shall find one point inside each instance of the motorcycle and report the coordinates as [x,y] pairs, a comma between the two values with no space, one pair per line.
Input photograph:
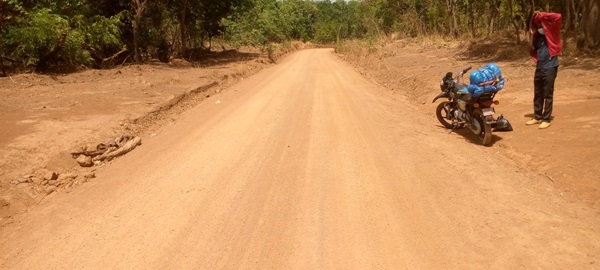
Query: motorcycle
[460,109]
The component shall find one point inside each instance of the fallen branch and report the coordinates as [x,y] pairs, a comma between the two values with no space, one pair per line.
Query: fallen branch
[10,59]
[117,147]
[100,149]
[112,58]
[124,61]
[126,148]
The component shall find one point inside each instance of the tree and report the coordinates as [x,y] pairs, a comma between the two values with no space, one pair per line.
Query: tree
[138,6]
[453,22]
[590,38]
[258,25]
[514,20]
[494,10]
[213,14]
[299,18]
[183,10]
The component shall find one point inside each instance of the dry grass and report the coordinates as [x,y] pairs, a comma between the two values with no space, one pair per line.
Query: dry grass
[501,47]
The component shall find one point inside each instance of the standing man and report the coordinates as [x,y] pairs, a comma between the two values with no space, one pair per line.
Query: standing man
[545,47]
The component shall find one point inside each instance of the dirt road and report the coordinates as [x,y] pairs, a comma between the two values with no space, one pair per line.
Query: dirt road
[307,165]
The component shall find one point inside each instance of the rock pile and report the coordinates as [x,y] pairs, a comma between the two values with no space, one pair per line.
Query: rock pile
[46,181]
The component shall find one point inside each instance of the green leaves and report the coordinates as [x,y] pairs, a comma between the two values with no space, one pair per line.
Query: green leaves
[268,21]
[10,12]
[99,32]
[256,26]
[37,37]
[30,31]
[42,30]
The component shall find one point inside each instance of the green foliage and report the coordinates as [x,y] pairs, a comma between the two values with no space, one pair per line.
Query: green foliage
[265,21]
[96,29]
[10,12]
[63,7]
[256,26]
[73,53]
[298,19]
[41,32]
[37,37]
[100,32]
[330,21]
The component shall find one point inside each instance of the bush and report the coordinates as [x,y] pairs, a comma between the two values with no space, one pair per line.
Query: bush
[43,34]
[36,38]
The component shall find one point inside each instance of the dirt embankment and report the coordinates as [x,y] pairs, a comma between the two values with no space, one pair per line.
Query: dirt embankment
[567,153]
[44,118]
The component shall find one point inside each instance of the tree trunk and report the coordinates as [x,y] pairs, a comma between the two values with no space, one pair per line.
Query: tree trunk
[575,19]
[494,10]
[531,11]
[182,26]
[568,24]
[136,41]
[451,4]
[472,20]
[589,21]
[529,24]
[139,6]
[514,20]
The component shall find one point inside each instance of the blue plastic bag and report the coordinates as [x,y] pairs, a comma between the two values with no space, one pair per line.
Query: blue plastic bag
[480,78]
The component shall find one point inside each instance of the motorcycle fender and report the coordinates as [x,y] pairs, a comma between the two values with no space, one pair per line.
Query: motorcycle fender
[489,119]
[439,96]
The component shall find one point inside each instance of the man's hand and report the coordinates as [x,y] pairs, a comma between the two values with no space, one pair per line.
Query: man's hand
[534,18]
[533,24]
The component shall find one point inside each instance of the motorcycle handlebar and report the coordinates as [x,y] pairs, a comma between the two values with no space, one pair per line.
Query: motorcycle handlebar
[462,72]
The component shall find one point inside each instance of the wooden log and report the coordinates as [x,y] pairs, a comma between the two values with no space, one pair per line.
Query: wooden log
[115,152]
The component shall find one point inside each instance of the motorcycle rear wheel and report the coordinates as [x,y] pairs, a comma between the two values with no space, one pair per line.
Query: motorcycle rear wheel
[485,136]
[444,115]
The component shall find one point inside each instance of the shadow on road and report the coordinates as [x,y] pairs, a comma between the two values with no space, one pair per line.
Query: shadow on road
[206,58]
[470,137]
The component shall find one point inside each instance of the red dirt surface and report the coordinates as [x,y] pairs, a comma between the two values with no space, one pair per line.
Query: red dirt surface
[43,118]
[305,164]
[567,153]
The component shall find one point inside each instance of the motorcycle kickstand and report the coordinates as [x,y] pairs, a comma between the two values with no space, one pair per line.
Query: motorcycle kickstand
[452,130]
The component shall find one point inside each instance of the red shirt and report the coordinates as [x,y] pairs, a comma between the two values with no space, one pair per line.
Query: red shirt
[551,23]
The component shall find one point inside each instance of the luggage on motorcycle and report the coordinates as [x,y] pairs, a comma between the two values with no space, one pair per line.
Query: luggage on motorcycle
[502,124]
[486,80]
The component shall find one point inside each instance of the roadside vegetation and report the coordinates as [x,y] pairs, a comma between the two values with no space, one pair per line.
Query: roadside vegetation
[50,35]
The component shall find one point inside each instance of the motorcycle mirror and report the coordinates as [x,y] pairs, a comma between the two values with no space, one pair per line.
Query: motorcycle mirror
[448,76]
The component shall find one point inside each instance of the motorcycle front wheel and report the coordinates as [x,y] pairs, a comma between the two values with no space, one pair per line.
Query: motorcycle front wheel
[485,135]
[444,115]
